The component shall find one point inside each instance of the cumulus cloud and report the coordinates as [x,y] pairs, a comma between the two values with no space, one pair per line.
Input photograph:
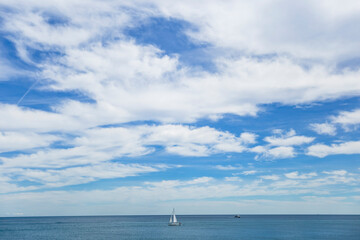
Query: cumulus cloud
[347,118]
[322,150]
[288,139]
[280,145]
[281,152]
[276,152]
[324,128]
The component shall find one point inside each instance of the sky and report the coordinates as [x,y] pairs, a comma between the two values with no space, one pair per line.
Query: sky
[212,107]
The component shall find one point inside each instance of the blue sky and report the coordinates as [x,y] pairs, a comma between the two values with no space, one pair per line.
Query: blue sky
[111,107]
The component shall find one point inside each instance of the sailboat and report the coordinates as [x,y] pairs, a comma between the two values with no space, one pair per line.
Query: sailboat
[173,221]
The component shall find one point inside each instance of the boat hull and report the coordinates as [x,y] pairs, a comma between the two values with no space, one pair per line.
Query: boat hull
[175,224]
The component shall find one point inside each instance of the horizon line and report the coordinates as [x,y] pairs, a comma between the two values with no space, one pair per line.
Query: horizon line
[206,214]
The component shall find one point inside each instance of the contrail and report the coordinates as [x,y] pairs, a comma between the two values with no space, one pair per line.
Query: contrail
[26,92]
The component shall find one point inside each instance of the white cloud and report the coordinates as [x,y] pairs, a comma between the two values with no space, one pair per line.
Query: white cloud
[312,181]
[94,148]
[280,145]
[270,177]
[276,152]
[11,141]
[296,175]
[347,119]
[285,30]
[157,86]
[200,180]
[214,22]
[178,139]
[324,128]
[31,120]
[336,172]
[79,175]
[247,137]
[233,179]
[187,97]
[103,144]
[77,203]
[249,172]
[30,20]
[189,150]
[58,158]
[286,184]
[288,139]
[8,71]
[7,187]
[163,193]
[282,152]
[131,82]
[177,183]
[322,150]
[228,167]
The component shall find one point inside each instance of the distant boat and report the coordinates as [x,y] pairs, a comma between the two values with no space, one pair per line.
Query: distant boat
[173,221]
[237,216]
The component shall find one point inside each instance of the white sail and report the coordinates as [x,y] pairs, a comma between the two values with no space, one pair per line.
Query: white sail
[173,221]
[173,217]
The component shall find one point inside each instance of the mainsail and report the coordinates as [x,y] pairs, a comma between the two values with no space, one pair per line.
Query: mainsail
[173,217]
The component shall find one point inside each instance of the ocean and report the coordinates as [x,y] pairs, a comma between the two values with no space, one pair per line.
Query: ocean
[207,227]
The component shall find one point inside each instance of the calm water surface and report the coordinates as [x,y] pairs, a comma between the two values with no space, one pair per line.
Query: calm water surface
[248,227]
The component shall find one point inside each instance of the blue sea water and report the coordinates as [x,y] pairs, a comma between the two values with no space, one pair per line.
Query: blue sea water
[248,227]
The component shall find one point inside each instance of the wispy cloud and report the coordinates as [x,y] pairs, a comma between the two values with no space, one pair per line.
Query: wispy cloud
[228,167]
[249,172]
[296,175]
[51,178]
[270,177]
[166,191]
